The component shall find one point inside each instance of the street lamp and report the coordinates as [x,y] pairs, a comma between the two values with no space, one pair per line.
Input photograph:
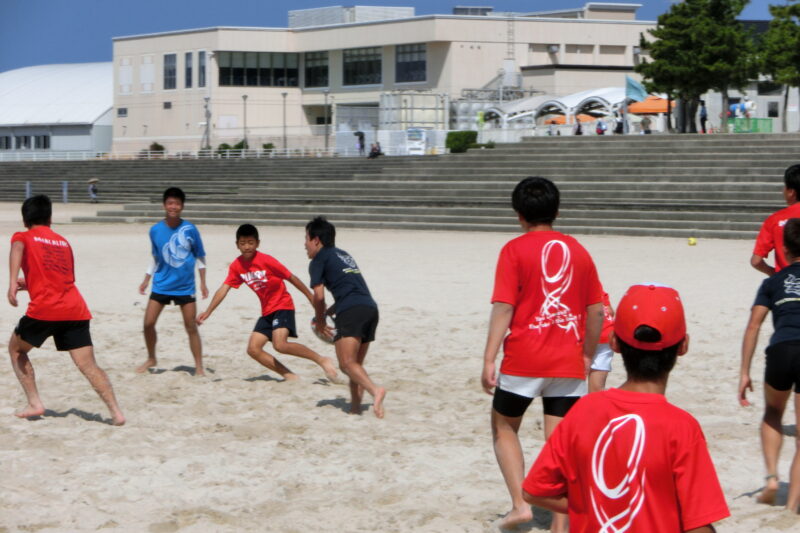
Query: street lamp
[244,103]
[325,92]
[207,133]
[284,120]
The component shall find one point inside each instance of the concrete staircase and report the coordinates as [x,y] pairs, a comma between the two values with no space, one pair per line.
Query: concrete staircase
[689,185]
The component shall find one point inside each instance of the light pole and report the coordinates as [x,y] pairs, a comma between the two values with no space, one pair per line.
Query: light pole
[207,133]
[284,120]
[244,104]
[325,92]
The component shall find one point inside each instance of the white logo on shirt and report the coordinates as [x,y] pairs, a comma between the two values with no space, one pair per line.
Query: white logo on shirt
[178,248]
[791,285]
[256,279]
[350,262]
[553,311]
[632,484]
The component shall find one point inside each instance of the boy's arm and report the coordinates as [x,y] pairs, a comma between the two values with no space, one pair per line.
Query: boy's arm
[594,325]
[14,264]
[318,303]
[499,321]
[147,275]
[553,503]
[757,315]
[220,295]
[758,262]
[705,529]
[300,286]
[201,269]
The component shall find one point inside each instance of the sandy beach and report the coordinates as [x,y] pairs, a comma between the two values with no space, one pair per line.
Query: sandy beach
[241,450]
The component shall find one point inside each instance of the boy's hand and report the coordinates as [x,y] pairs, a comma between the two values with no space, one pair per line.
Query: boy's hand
[204,290]
[143,287]
[202,317]
[744,383]
[488,378]
[12,293]
[21,285]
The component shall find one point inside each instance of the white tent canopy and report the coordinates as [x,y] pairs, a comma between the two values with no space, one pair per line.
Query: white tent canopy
[602,101]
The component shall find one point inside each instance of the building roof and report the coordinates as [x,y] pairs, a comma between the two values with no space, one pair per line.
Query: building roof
[78,93]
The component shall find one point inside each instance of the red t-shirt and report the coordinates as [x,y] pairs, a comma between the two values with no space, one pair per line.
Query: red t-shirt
[550,279]
[265,275]
[771,235]
[608,320]
[629,461]
[49,269]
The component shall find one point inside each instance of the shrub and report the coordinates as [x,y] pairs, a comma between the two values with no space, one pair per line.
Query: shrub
[155,147]
[268,146]
[241,145]
[459,141]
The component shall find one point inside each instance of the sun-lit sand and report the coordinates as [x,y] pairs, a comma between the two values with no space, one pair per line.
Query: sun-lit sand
[240,450]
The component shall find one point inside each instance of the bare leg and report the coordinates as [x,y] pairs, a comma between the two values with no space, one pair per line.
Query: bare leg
[560,522]
[281,344]
[772,438]
[793,500]
[84,360]
[508,451]
[18,350]
[597,380]
[356,390]
[151,314]
[255,349]
[189,312]
[351,354]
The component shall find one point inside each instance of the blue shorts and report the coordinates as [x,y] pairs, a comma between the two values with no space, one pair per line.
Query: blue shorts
[282,318]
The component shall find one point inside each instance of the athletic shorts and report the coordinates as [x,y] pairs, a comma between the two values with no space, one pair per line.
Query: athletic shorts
[67,334]
[360,321]
[283,318]
[783,366]
[166,299]
[514,394]
[602,358]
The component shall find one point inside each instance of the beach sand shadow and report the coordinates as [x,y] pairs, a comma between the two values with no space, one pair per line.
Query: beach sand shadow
[789,430]
[265,377]
[343,405]
[181,368]
[780,497]
[542,519]
[89,417]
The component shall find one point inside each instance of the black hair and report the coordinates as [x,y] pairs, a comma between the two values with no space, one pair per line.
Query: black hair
[37,211]
[246,230]
[791,178]
[648,365]
[536,199]
[174,192]
[320,227]
[791,237]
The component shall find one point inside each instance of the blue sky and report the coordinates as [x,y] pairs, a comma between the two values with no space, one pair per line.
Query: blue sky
[38,32]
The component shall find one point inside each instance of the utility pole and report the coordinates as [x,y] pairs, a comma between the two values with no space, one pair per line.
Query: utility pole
[244,103]
[284,120]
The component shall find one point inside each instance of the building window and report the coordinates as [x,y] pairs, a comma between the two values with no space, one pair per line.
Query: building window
[122,112]
[410,63]
[41,142]
[170,71]
[188,69]
[22,142]
[167,105]
[316,69]
[769,88]
[258,69]
[201,69]
[362,66]
[5,142]
[772,110]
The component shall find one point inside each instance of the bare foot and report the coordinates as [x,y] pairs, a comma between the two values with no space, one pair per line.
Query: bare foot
[767,495]
[117,419]
[355,409]
[330,371]
[30,411]
[380,394]
[516,517]
[290,377]
[198,371]
[150,363]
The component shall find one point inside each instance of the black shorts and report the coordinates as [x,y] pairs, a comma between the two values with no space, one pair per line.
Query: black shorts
[360,321]
[283,318]
[783,366]
[166,299]
[514,405]
[67,334]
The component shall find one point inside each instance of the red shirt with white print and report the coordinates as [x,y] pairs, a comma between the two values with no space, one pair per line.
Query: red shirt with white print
[771,235]
[264,274]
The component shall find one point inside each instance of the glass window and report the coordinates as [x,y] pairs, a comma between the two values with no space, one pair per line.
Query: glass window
[237,63]
[41,142]
[225,70]
[278,70]
[170,66]
[772,110]
[201,69]
[410,63]
[316,69]
[188,69]
[264,69]
[122,112]
[362,66]
[292,71]
[167,105]
[5,142]
[23,142]
[251,68]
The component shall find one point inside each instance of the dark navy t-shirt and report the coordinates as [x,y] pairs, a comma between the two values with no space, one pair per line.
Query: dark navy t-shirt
[338,271]
[781,294]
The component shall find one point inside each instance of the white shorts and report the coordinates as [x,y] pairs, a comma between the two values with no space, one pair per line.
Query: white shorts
[602,358]
[542,387]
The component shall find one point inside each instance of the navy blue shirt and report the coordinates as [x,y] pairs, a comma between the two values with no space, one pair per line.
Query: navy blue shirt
[338,271]
[781,294]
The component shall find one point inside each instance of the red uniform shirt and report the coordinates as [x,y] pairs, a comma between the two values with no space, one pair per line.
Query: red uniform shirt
[608,320]
[48,266]
[629,461]
[550,279]
[771,235]
[265,275]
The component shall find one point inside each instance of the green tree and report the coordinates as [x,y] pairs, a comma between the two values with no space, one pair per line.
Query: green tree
[780,50]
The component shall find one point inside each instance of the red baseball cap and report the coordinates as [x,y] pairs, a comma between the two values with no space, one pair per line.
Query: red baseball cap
[653,305]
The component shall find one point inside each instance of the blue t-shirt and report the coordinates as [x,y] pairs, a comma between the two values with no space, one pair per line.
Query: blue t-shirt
[338,271]
[781,294]
[175,250]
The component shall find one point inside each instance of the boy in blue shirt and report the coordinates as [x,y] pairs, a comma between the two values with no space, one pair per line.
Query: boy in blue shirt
[356,312]
[176,247]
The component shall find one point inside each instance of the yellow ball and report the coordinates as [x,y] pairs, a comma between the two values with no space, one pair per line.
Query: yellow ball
[692,241]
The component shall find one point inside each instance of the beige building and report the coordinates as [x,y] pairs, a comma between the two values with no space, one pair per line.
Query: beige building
[340,64]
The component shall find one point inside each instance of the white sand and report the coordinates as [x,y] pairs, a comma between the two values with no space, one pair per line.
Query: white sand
[242,451]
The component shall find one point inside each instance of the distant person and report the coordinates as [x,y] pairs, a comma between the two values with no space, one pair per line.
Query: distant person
[374,151]
[265,275]
[93,193]
[703,116]
[646,125]
[360,142]
[626,459]
[771,235]
[176,247]
[619,125]
[56,308]
[601,127]
[578,129]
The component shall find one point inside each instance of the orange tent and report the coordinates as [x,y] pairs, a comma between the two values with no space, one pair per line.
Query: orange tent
[562,119]
[651,106]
